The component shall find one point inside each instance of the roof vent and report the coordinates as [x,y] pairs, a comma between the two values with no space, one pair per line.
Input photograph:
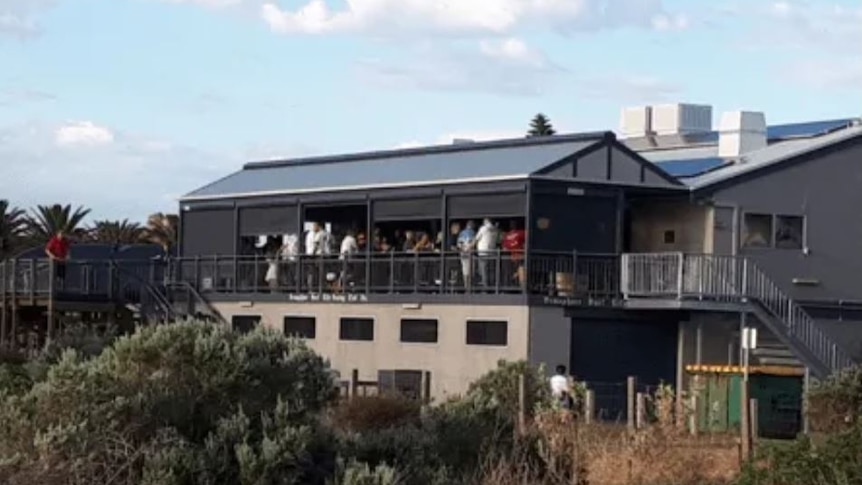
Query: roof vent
[462,141]
[681,119]
[636,122]
[741,132]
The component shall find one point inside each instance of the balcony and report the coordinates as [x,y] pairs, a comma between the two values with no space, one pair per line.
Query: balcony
[558,275]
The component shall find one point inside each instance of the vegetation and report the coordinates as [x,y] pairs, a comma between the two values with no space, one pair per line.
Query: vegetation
[540,125]
[195,403]
[20,230]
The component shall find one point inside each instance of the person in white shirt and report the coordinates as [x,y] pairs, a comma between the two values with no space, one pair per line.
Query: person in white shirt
[349,248]
[314,240]
[560,389]
[487,242]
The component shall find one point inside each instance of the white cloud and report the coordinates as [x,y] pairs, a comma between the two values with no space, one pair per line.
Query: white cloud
[18,18]
[209,3]
[128,178]
[664,22]
[482,17]
[821,38]
[83,133]
[506,67]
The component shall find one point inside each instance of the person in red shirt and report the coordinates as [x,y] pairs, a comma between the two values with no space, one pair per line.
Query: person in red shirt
[57,251]
[514,242]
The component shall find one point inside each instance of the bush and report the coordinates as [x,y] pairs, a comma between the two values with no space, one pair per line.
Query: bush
[835,404]
[176,395]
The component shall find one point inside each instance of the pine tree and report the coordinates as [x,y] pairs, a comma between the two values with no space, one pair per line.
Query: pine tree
[541,126]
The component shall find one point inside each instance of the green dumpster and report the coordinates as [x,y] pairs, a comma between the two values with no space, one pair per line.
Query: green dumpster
[778,391]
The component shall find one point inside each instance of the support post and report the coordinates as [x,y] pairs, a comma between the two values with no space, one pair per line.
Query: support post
[680,275]
[692,417]
[640,411]
[14,330]
[3,335]
[745,424]
[522,403]
[354,383]
[589,406]
[426,386]
[753,425]
[680,368]
[50,323]
[806,404]
[631,384]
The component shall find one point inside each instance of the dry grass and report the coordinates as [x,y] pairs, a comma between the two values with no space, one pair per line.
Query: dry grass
[661,453]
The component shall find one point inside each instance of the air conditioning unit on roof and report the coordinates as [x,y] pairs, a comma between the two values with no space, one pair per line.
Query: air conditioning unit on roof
[681,119]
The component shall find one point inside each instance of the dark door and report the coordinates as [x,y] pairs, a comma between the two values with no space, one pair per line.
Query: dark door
[605,352]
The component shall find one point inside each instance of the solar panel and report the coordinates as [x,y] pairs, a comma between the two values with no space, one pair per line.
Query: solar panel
[691,167]
[811,128]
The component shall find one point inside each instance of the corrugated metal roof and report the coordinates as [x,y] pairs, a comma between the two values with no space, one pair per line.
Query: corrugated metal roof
[497,160]
[771,155]
[806,129]
[692,167]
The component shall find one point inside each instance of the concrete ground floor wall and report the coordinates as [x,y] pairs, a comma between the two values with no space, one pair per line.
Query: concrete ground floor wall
[453,363]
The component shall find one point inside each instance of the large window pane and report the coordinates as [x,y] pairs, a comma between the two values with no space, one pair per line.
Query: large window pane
[484,332]
[418,330]
[789,232]
[757,231]
[356,329]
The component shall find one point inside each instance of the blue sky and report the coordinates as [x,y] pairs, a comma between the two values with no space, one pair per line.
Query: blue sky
[123,105]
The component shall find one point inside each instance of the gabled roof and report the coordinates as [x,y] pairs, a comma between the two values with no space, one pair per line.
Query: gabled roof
[457,163]
[770,156]
[694,159]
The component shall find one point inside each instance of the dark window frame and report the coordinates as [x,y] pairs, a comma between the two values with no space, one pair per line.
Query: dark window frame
[309,336]
[770,233]
[420,320]
[485,334]
[803,239]
[772,242]
[233,323]
[347,336]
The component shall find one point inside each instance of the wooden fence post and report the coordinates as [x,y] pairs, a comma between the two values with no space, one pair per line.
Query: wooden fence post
[753,425]
[426,386]
[522,403]
[745,425]
[354,383]
[640,411]
[631,383]
[589,406]
[692,417]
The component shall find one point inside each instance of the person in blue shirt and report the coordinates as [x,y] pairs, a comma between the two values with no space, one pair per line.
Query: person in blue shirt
[466,241]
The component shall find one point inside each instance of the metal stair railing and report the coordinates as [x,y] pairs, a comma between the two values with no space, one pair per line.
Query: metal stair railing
[163,306]
[730,279]
[798,325]
[195,299]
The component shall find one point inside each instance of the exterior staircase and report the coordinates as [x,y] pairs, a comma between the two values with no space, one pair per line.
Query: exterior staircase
[737,280]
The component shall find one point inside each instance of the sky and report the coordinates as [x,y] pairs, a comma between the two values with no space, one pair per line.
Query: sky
[124,105]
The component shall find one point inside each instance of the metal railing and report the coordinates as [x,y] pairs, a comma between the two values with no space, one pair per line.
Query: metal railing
[728,279]
[492,272]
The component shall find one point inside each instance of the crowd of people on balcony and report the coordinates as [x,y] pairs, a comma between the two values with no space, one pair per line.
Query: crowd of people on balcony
[476,246]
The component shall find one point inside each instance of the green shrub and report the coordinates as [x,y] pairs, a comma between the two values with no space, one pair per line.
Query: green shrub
[499,387]
[177,395]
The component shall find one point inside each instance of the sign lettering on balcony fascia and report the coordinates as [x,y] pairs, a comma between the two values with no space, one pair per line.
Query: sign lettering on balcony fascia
[327,298]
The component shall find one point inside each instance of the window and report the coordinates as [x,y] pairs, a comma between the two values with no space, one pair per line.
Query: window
[418,330]
[757,232]
[302,327]
[789,232]
[669,237]
[356,329]
[483,332]
[244,323]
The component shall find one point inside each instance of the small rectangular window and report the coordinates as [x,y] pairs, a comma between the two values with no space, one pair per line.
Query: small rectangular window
[789,232]
[301,327]
[484,332]
[244,323]
[669,237]
[356,329]
[417,330]
[757,231]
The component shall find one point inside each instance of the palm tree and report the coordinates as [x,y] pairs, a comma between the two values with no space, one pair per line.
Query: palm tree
[116,232]
[47,220]
[541,126]
[162,229]
[12,225]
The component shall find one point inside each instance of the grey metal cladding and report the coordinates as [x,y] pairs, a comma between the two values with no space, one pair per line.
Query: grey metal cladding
[204,233]
[267,220]
[433,166]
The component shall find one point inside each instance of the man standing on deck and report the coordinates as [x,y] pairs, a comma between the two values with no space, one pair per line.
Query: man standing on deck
[57,251]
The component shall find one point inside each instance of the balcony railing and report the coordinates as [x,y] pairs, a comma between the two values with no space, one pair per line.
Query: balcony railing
[729,279]
[496,272]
